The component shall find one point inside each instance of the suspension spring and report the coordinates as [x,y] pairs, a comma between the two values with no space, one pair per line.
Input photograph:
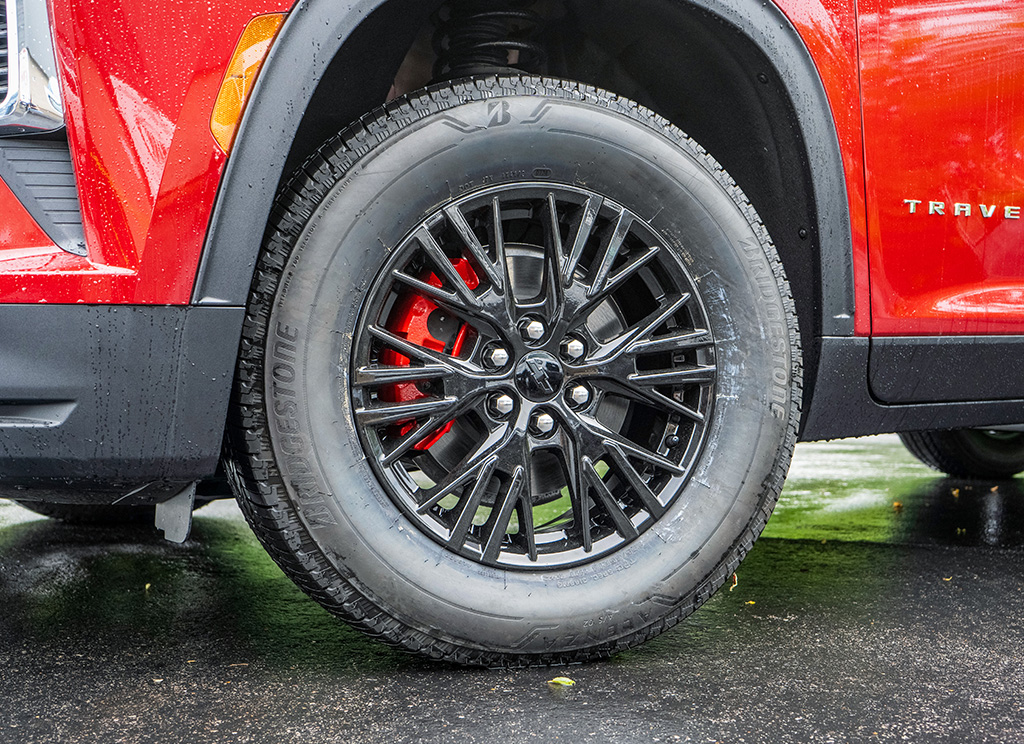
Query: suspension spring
[476,37]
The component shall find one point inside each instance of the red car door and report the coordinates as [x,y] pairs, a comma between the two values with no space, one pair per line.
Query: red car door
[943,92]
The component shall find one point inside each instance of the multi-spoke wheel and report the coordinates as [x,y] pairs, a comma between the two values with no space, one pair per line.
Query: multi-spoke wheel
[532,375]
[969,453]
[520,375]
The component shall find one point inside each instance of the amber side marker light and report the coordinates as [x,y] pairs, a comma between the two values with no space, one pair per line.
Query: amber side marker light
[240,76]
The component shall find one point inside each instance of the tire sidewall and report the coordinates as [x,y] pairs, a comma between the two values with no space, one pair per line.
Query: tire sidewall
[607,148]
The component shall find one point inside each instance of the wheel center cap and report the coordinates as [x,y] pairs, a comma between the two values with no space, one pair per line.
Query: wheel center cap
[539,376]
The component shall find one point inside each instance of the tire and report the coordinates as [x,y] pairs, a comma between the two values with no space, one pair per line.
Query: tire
[969,453]
[395,496]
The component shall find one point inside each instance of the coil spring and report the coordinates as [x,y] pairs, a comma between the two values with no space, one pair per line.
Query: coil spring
[474,37]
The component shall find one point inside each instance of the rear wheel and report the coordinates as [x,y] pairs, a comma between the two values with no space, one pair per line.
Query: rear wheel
[520,376]
[969,453]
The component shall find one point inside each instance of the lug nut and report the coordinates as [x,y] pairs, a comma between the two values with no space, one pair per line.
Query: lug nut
[502,405]
[532,330]
[542,424]
[496,357]
[579,396]
[573,349]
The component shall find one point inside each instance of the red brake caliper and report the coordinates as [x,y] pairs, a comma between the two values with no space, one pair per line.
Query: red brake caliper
[420,321]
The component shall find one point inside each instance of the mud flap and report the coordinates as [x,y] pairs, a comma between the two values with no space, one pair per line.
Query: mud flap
[174,516]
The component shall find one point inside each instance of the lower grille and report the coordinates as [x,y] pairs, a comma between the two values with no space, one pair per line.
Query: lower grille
[3,50]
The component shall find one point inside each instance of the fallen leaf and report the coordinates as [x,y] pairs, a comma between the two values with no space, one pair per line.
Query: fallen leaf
[993,489]
[945,579]
[897,506]
[749,602]
[561,682]
[956,493]
[735,581]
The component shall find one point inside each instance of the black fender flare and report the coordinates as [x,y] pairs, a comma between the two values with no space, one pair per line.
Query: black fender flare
[316,30]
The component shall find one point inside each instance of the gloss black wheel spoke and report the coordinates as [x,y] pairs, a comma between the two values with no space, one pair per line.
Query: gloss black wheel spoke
[572,447]
[527,535]
[553,253]
[679,341]
[630,269]
[415,351]
[497,524]
[391,413]
[497,233]
[492,269]
[649,395]
[703,373]
[623,525]
[376,375]
[625,468]
[477,463]
[603,438]
[472,473]
[438,294]
[581,234]
[641,330]
[422,432]
[470,504]
[610,248]
[444,265]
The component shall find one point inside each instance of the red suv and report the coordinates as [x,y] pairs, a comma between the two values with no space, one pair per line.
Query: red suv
[502,366]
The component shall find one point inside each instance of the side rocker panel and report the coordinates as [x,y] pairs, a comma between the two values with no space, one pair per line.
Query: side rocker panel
[845,406]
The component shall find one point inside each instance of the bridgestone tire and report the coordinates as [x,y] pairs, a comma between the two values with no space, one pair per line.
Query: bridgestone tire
[304,464]
[969,453]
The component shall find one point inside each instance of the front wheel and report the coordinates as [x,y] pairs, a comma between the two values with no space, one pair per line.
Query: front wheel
[520,376]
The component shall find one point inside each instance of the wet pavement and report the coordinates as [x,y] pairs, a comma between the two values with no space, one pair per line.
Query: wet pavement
[884,603]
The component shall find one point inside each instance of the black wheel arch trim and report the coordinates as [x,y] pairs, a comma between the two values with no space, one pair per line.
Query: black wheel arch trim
[317,30]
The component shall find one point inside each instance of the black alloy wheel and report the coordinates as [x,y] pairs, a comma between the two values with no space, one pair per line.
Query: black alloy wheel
[576,405]
[520,375]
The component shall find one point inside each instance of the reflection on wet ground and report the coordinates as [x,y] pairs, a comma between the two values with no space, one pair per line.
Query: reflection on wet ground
[883,604]
[873,490]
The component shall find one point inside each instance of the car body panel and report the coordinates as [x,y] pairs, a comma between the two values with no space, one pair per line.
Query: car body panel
[139,88]
[171,220]
[944,133]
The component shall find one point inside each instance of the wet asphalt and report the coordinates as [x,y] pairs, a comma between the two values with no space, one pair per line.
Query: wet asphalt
[884,603]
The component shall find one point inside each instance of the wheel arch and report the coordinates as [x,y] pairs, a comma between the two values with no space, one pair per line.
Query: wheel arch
[734,74]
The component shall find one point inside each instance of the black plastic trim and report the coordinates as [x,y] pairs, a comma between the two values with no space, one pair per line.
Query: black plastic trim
[913,369]
[317,29]
[40,173]
[111,399]
[843,404]
[311,36]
